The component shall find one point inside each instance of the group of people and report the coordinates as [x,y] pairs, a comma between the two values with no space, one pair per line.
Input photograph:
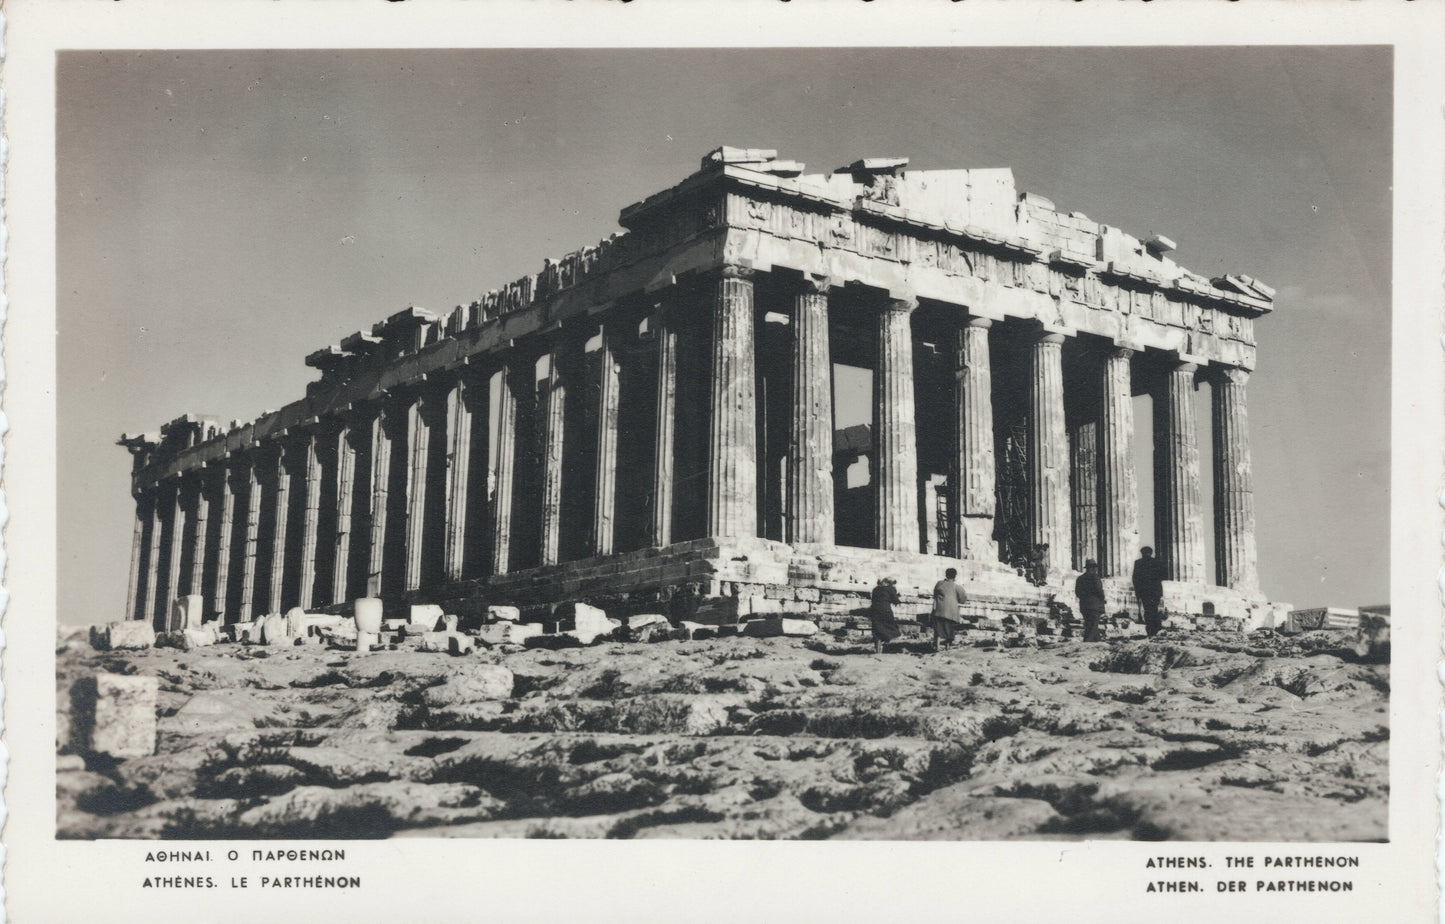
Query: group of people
[948,598]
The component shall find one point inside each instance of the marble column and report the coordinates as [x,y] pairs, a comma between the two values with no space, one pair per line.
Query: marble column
[604,503]
[1234,542]
[896,444]
[380,451]
[134,603]
[418,442]
[281,500]
[975,482]
[224,541]
[732,477]
[553,412]
[1179,524]
[345,499]
[504,477]
[200,525]
[176,514]
[311,520]
[253,532]
[1048,452]
[810,453]
[459,463]
[666,430]
[1118,481]
[153,557]
[1082,417]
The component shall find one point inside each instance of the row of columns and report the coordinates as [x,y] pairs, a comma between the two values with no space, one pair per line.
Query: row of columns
[1082,501]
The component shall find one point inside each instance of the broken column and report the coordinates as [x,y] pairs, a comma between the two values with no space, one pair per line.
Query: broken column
[897,444]
[134,599]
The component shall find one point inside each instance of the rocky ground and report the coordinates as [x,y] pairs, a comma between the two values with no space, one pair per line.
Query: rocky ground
[1204,736]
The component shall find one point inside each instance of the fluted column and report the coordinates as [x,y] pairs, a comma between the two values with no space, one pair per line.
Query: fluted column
[896,447]
[311,521]
[380,450]
[1118,481]
[505,474]
[604,504]
[253,532]
[200,525]
[138,550]
[1084,466]
[1234,542]
[732,476]
[176,514]
[810,453]
[1179,524]
[345,498]
[153,557]
[666,430]
[459,464]
[554,415]
[975,482]
[1048,452]
[281,499]
[418,442]
[224,542]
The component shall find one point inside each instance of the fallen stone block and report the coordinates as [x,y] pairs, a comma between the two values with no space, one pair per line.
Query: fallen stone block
[581,616]
[435,641]
[273,630]
[448,623]
[426,614]
[186,613]
[645,619]
[716,611]
[503,614]
[295,622]
[697,631]
[458,644]
[779,625]
[508,633]
[131,634]
[988,625]
[186,639]
[393,625]
[114,715]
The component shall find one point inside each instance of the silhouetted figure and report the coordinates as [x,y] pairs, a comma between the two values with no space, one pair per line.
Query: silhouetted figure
[947,596]
[880,614]
[1038,573]
[1149,587]
[1089,588]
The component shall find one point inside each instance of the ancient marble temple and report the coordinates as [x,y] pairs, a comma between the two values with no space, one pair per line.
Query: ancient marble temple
[662,415]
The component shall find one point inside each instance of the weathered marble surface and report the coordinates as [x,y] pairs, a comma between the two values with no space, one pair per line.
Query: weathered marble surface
[1202,737]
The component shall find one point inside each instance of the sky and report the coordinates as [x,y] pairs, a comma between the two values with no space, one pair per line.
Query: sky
[222,214]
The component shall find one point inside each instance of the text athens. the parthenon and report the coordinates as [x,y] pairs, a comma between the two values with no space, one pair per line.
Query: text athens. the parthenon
[657,412]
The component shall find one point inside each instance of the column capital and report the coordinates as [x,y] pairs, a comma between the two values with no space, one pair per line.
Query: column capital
[1040,332]
[898,305]
[736,271]
[1118,350]
[976,321]
[814,284]
[1231,375]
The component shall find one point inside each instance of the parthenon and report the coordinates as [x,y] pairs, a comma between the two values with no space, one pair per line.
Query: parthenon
[664,414]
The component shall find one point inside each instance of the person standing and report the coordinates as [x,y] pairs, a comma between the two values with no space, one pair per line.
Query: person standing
[947,596]
[880,614]
[1089,588]
[1149,588]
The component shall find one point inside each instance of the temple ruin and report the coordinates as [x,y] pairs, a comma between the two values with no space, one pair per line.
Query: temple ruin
[662,416]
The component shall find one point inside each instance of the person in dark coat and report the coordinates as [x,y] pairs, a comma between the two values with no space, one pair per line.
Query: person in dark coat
[885,625]
[1149,588]
[1089,588]
[947,596]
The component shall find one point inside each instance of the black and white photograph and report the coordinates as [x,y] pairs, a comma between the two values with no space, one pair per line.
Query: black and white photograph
[465,448]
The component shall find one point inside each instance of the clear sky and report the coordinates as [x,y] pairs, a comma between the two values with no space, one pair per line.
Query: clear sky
[222,214]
